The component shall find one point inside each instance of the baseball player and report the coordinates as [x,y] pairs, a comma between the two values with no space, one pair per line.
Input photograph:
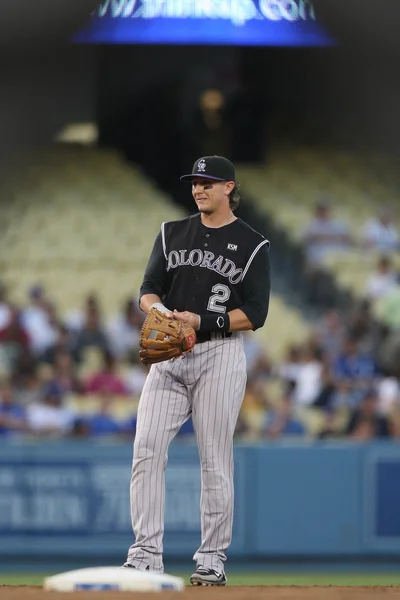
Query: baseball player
[211,271]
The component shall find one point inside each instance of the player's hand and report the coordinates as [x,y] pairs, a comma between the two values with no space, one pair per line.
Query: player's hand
[188,317]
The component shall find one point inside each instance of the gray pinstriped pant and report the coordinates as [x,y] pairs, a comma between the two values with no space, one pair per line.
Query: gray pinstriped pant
[207,384]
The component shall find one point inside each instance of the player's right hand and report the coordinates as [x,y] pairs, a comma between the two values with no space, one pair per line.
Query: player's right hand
[187,317]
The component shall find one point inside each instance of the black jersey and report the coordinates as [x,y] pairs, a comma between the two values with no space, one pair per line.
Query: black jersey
[209,270]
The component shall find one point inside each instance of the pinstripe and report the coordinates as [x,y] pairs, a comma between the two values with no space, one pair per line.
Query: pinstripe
[147,416]
[216,404]
[225,491]
[210,479]
[162,432]
[209,384]
[141,490]
[163,408]
[221,494]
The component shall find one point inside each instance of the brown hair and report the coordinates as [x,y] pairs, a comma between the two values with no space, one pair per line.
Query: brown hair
[234,198]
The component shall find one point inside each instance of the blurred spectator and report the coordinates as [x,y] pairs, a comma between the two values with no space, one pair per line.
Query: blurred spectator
[327,389]
[281,421]
[389,353]
[324,234]
[329,427]
[254,399]
[12,414]
[135,374]
[330,333]
[383,280]
[124,330]
[5,310]
[24,366]
[331,370]
[39,320]
[362,325]
[91,334]
[64,379]
[28,387]
[75,319]
[365,422]
[5,363]
[257,362]
[290,365]
[355,368]
[14,339]
[107,381]
[80,428]
[64,342]
[308,381]
[50,417]
[388,389]
[380,233]
[253,410]
[389,308]
[343,396]
[395,420]
[103,422]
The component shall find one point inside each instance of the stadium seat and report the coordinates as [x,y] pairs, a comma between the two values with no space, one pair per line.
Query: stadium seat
[82,220]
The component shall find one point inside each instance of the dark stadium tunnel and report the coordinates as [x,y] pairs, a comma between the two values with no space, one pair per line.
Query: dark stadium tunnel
[366,26]
[35,25]
[46,81]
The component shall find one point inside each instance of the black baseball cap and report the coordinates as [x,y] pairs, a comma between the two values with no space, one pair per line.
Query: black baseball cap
[214,167]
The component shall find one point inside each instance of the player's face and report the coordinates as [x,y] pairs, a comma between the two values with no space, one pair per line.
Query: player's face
[210,196]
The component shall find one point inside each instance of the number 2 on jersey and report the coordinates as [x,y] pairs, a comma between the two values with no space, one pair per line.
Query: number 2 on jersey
[221,295]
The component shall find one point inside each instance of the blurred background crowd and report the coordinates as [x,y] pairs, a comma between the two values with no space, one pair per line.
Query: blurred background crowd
[78,374]
[97,168]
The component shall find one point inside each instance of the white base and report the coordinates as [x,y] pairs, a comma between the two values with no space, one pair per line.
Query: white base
[112,579]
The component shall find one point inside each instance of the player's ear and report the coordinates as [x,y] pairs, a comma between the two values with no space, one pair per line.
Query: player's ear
[229,185]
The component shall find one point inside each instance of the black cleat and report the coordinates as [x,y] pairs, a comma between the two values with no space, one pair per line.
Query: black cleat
[204,576]
[128,566]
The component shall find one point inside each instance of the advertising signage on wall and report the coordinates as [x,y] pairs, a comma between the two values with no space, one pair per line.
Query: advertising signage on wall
[206,22]
[62,499]
[86,499]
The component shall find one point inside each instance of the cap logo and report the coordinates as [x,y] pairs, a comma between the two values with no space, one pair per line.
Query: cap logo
[201,167]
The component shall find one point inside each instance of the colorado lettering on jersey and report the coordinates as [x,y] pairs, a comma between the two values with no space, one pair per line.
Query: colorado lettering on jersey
[197,258]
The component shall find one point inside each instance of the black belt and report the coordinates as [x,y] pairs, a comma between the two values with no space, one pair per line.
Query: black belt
[207,336]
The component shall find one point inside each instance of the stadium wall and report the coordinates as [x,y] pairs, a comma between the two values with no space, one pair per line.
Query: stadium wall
[324,500]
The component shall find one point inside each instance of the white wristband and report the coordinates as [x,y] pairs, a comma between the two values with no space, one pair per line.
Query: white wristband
[160,307]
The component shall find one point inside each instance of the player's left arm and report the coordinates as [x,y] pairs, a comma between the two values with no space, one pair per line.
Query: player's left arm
[236,320]
[256,293]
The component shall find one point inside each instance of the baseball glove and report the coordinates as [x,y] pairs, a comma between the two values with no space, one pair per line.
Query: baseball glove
[162,338]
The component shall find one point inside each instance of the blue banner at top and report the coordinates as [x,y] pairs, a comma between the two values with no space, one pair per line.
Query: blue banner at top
[206,22]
